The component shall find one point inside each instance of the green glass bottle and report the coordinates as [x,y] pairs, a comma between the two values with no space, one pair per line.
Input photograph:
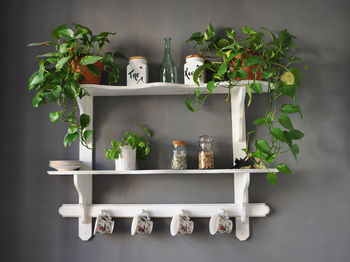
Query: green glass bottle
[168,72]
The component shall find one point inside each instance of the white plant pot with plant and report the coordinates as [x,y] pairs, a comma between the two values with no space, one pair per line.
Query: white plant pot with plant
[127,159]
[130,149]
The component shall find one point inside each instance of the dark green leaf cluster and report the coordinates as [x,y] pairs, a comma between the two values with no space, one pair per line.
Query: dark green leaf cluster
[57,77]
[135,141]
[227,58]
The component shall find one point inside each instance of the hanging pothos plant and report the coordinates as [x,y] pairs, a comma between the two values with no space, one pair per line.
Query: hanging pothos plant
[76,53]
[231,60]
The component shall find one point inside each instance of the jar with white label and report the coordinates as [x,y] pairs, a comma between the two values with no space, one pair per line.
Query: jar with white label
[192,63]
[137,71]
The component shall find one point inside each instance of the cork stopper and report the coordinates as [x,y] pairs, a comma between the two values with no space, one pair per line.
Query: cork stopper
[178,143]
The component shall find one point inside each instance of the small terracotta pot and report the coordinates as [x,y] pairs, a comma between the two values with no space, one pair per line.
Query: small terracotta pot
[89,78]
[248,69]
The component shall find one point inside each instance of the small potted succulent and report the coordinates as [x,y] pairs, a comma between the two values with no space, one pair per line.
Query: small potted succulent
[231,60]
[75,60]
[130,149]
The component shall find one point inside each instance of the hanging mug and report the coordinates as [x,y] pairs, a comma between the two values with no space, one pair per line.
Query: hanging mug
[220,223]
[104,223]
[181,224]
[141,224]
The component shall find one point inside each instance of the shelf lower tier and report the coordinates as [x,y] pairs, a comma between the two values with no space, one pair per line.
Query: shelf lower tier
[165,210]
[161,172]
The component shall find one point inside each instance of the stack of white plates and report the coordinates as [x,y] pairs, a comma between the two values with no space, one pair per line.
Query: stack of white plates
[65,165]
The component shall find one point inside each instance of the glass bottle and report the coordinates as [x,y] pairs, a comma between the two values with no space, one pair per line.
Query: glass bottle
[168,72]
[206,154]
[179,155]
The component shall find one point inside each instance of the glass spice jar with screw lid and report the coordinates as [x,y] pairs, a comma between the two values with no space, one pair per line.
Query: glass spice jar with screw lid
[179,155]
[206,154]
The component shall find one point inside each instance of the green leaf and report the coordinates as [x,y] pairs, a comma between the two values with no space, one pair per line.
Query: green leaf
[42,43]
[54,33]
[249,91]
[209,33]
[211,86]
[241,74]
[65,33]
[86,60]
[272,178]
[146,130]
[54,116]
[70,138]
[73,128]
[295,150]
[188,103]
[288,90]
[37,99]
[285,122]
[263,146]
[230,32]
[87,133]
[222,43]
[283,168]
[296,134]
[272,35]
[198,72]
[248,30]
[260,121]
[120,56]
[74,87]
[36,79]
[62,62]
[63,48]
[84,120]
[93,69]
[51,54]
[277,133]
[253,60]
[222,69]
[290,109]
[256,86]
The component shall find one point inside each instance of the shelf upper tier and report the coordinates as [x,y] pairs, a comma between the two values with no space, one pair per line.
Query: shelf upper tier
[161,171]
[159,88]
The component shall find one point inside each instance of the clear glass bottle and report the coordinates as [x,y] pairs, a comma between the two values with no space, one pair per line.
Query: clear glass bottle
[179,155]
[168,72]
[206,154]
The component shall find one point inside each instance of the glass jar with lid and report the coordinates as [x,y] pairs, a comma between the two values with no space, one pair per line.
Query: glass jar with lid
[206,154]
[178,155]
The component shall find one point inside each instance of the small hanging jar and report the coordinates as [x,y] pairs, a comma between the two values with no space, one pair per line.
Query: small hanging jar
[179,155]
[137,71]
[206,154]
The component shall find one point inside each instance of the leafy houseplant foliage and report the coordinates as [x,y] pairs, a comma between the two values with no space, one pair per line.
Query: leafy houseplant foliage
[228,57]
[58,75]
[133,140]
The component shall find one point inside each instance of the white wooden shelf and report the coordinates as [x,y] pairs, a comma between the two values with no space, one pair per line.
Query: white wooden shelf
[160,172]
[240,208]
[160,88]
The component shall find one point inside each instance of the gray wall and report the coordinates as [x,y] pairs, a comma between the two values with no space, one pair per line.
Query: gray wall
[310,209]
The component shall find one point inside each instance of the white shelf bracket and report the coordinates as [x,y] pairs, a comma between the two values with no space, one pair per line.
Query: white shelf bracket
[83,184]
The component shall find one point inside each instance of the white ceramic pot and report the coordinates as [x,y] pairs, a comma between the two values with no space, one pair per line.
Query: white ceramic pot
[126,160]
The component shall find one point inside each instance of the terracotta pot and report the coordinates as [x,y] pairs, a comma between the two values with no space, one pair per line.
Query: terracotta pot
[89,78]
[248,69]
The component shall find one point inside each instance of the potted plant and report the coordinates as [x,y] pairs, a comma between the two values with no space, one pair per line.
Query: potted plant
[76,59]
[132,147]
[231,59]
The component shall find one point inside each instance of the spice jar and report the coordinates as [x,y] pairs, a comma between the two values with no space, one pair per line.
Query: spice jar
[206,154]
[137,71]
[179,155]
[192,63]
